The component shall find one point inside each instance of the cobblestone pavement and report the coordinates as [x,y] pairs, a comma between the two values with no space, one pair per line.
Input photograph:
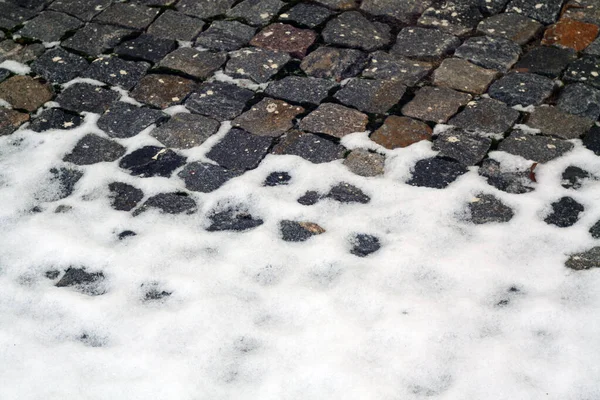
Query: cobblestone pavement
[228,111]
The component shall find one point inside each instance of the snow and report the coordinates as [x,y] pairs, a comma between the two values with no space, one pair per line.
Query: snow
[15,67]
[254,317]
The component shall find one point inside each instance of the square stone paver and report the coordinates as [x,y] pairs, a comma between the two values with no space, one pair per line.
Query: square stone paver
[128,15]
[401,132]
[240,150]
[435,104]
[95,39]
[306,14]
[219,100]
[116,71]
[490,52]
[334,63]
[226,36]
[511,26]
[84,10]
[459,74]
[334,120]
[269,117]
[85,97]
[192,62]
[299,89]
[285,38]
[352,29]
[184,131]
[59,66]
[522,89]
[25,92]
[49,26]
[176,26]
[256,63]
[371,96]
[486,117]
[387,66]
[256,12]
[424,44]
[546,60]
[146,48]
[163,91]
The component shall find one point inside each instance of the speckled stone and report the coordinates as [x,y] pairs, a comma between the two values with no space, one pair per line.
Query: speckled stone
[240,150]
[492,7]
[552,121]
[123,120]
[592,140]
[586,260]
[565,212]
[219,100]
[85,10]
[594,48]
[26,93]
[371,96]
[169,203]
[204,177]
[574,177]
[352,29]
[339,4]
[128,15]
[364,245]
[92,149]
[236,219]
[511,26]
[295,231]
[582,10]
[285,38]
[204,9]
[55,118]
[334,63]
[405,11]
[306,14]
[580,99]
[255,63]
[436,173]
[544,11]
[595,232]
[146,48]
[524,89]
[184,131]
[309,146]
[490,52]
[59,66]
[464,147]
[586,70]
[12,16]
[194,63]
[458,74]
[226,36]
[455,17]
[10,50]
[163,91]
[85,97]
[298,89]
[116,71]
[176,26]
[49,26]
[334,120]
[10,120]
[535,147]
[435,104]
[508,179]
[387,66]
[256,12]
[401,132]
[424,44]
[547,61]
[309,198]
[269,117]
[124,197]
[486,117]
[571,34]
[347,193]
[95,39]
[277,178]
[152,161]
[487,208]
[364,163]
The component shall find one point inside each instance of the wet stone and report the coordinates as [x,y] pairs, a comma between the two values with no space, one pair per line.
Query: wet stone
[89,283]
[371,96]
[565,212]
[516,181]
[492,7]
[309,198]
[49,26]
[24,92]
[256,12]
[95,39]
[169,203]
[436,173]
[92,149]
[10,50]
[152,161]
[269,117]
[197,64]
[363,244]
[124,197]
[204,177]
[397,68]
[174,25]
[347,193]
[240,150]
[184,131]
[552,121]
[226,36]
[464,147]
[455,17]
[352,29]
[59,66]
[405,11]
[55,118]
[522,89]
[511,26]
[85,97]
[65,179]
[571,34]
[435,104]
[424,44]
[458,74]
[146,47]
[232,219]
[128,15]
[123,120]
[334,120]
[310,147]
[206,8]
[163,91]
[486,208]
[117,72]
[586,70]
[309,15]
[544,11]
[592,140]
[255,63]
[84,10]
[573,177]
[364,163]
[277,179]
[12,16]
[580,99]
[595,232]
[534,147]
[486,117]
[547,61]
[333,63]
[401,132]
[219,100]
[10,120]
[490,52]
[285,38]
[295,231]
[586,260]
[298,89]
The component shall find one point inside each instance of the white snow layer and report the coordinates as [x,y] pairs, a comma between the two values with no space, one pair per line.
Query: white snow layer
[254,317]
